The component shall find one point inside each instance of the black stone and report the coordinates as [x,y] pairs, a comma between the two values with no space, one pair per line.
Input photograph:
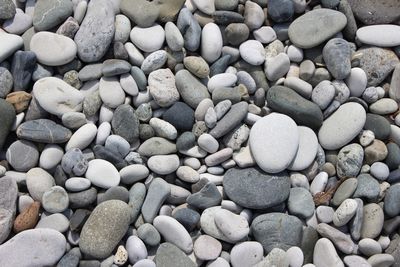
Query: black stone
[71,258]
[280,10]
[220,65]
[186,141]
[180,115]
[379,125]
[22,67]
[207,197]
[302,111]
[111,156]
[188,218]
[59,176]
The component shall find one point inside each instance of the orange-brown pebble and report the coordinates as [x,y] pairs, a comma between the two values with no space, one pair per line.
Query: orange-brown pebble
[20,100]
[28,218]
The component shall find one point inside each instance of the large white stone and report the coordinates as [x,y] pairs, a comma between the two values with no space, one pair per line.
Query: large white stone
[379,35]
[325,254]
[211,42]
[56,96]
[102,173]
[53,49]
[274,141]
[342,126]
[111,92]
[82,137]
[163,164]
[148,39]
[308,147]
[9,43]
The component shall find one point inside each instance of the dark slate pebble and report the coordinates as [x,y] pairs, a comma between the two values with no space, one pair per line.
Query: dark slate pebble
[149,234]
[190,29]
[186,141]
[146,132]
[379,125]
[139,77]
[22,67]
[310,237]
[109,155]
[196,187]
[227,17]
[254,189]
[236,33]
[71,258]
[277,230]
[207,197]
[393,157]
[392,203]
[280,10]
[82,199]
[188,218]
[6,82]
[115,192]
[59,176]
[125,123]
[74,163]
[302,111]
[231,119]
[7,117]
[349,32]
[330,3]
[180,115]
[120,51]
[367,188]
[337,55]
[78,219]
[220,65]
[114,67]
[43,131]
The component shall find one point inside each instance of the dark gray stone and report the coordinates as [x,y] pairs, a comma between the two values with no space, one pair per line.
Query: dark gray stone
[70,259]
[22,155]
[188,218]
[50,13]
[367,188]
[22,67]
[224,17]
[8,206]
[330,3]
[159,191]
[376,12]
[302,111]
[379,125]
[280,10]
[74,163]
[186,141]
[120,51]
[7,117]
[349,32]
[277,230]
[149,234]
[168,255]
[96,31]
[139,77]
[393,157]
[6,82]
[190,29]
[220,65]
[377,63]
[233,118]
[237,33]
[208,196]
[114,67]
[137,194]
[109,155]
[226,93]
[41,71]
[301,203]
[91,72]
[82,199]
[43,131]
[59,176]
[254,189]
[125,123]
[7,9]
[337,55]
[115,192]
[310,237]
[190,88]
[78,219]
[180,115]
[392,201]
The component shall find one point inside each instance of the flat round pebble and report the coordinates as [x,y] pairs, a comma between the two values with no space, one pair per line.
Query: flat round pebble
[102,173]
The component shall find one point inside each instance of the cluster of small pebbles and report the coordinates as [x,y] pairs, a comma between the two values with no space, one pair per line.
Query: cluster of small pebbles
[180,133]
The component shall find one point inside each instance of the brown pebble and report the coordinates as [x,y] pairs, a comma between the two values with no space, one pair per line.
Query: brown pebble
[20,100]
[28,218]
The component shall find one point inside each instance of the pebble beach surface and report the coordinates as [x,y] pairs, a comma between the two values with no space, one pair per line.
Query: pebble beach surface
[199,133]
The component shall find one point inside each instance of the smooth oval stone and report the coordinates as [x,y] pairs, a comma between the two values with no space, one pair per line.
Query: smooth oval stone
[174,232]
[102,173]
[392,205]
[345,212]
[277,230]
[211,42]
[252,51]
[325,254]
[342,126]
[154,61]
[337,54]
[43,131]
[133,173]
[148,39]
[163,164]
[36,247]
[136,249]
[48,14]
[301,203]
[379,35]
[77,184]
[381,260]
[38,181]
[104,228]
[65,99]
[369,247]
[373,218]
[287,101]
[9,43]
[99,25]
[56,221]
[384,106]
[53,49]
[306,30]
[308,147]
[142,13]
[156,146]
[82,137]
[375,12]
[242,186]
[274,141]
[55,200]
[169,255]
[248,252]
[191,89]
[22,155]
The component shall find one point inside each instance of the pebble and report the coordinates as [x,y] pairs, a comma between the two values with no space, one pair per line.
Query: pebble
[344,191]
[337,54]
[348,114]
[276,67]
[77,184]
[56,221]
[67,99]
[44,131]
[149,234]
[136,249]
[232,226]
[173,36]
[8,9]
[367,187]
[373,217]
[98,23]
[263,138]
[163,164]
[125,123]
[253,15]
[169,255]
[40,247]
[73,162]
[9,191]
[379,35]
[102,173]
[304,31]
[384,106]
[48,14]
[143,13]
[391,206]
[22,155]
[162,87]
[154,43]
[325,254]
[111,92]
[158,192]
[252,51]
[349,160]
[369,247]
[207,248]
[55,200]
[211,42]
[9,44]
[248,253]
[191,90]
[345,212]
[307,150]
[19,23]
[104,228]
[82,137]
[357,82]
[380,171]
[280,11]
[300,202]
